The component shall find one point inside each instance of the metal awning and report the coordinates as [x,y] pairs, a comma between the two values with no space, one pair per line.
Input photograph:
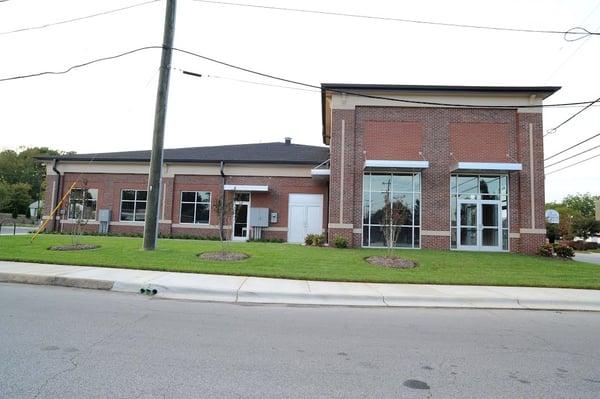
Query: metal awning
[399,164]
[245,187]
[487,167]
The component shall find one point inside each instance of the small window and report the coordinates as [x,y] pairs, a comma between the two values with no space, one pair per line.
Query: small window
[133,205]
[195,207]
[82,203]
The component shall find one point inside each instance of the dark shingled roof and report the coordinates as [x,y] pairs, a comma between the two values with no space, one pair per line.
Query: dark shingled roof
[279,153]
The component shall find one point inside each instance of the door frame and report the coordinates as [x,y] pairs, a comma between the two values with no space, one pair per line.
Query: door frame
[479,226]
[233,219]
[290,204]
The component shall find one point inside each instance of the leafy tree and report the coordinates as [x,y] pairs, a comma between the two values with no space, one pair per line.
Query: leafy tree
[585,226]
[583,204]
[18,198]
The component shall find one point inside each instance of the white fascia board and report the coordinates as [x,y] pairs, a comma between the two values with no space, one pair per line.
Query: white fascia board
[245,187]
[477,166]
[385,164]
[320,172]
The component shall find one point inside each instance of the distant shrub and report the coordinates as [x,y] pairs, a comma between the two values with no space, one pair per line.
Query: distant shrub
[582,245]
[564,251]
[274,240]
[546,250]
[340,242]
[315,240]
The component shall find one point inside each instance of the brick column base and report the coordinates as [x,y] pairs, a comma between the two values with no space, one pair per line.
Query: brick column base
[530,243]
[346,233]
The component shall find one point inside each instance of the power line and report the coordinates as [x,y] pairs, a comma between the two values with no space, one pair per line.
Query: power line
[266,75]
[579,32]
[554,129]
[69,69]
[572,156]
[573,146]
[66,21]
[573,164]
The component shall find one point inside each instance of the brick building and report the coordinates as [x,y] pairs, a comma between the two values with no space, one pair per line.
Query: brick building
[465,177]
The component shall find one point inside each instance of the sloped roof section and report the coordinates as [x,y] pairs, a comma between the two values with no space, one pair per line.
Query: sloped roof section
[277,153]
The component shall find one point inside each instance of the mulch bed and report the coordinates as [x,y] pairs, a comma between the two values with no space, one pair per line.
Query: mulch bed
[223,256]
[73,247]
[395,262]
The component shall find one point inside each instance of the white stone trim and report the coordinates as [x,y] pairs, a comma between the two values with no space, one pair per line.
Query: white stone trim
[357,231]
[340,226]
[116,223]
[74,221]
[514,235]
[532,231]
[436,233]
[284,229]
[197,226]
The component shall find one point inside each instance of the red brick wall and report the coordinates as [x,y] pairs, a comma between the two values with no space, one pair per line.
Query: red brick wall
[503,132]
[480,142]
[109,197]
[393,140]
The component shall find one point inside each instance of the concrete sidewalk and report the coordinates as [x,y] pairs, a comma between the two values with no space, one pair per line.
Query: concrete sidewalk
[207,287]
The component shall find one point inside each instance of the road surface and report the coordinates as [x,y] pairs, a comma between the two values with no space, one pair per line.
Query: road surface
[68,343]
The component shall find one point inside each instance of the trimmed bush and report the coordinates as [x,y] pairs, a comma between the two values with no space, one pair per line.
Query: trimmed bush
[582,245]
[340,242]
[315,240]
[564,251]
[546,250]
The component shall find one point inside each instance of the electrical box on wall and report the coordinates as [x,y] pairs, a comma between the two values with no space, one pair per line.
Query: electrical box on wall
[274,217]
[259,217]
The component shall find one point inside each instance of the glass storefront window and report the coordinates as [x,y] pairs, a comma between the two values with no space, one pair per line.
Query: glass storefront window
[395,194]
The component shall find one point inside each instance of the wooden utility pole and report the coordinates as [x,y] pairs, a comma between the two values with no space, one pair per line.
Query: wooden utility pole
[160,114]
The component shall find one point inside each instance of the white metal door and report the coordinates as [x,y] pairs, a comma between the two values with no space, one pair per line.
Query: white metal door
[305,216]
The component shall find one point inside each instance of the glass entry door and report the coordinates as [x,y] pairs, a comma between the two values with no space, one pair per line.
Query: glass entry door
[479,227]
[241,206]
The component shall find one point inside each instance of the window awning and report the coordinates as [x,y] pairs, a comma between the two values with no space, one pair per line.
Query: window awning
[245,187]
[399,164]
[487,167]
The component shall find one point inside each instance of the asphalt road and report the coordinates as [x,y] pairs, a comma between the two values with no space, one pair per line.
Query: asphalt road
[589,257]
[69,343]
[9,230]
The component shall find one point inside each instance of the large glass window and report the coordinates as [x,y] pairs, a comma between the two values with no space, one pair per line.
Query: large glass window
[195,207]
[480,188]
[394,197]
[82,203]
[133,205]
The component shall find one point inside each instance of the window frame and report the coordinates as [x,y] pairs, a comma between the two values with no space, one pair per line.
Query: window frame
[502,196]
[135,201]
[83,200]
[414,193]
[181,202]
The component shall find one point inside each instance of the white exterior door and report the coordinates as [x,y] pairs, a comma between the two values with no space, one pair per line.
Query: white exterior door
[305,216]
[479,227]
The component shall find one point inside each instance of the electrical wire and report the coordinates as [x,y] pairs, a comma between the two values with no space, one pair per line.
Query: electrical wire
[573,164]
[266,75]
[572,156]
[573,146]
[555,128]
[579,32]
[69,69]
[66,21]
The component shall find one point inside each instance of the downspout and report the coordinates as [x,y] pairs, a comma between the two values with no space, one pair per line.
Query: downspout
[223,202]
[57,194]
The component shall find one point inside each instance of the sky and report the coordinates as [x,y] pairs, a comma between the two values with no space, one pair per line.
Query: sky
[109,106]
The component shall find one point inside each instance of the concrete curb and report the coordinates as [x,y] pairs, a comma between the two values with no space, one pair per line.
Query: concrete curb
[56,280]
[255,290]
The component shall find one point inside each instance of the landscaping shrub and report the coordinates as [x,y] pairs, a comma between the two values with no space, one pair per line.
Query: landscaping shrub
[582,245]
[275,240]
[340,242]
[546,250]
[315,240]
[564,251]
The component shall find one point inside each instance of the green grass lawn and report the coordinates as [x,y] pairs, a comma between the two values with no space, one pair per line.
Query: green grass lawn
[298,262]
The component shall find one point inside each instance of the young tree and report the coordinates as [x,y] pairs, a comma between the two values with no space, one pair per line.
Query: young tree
[224,206]
[394,213]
